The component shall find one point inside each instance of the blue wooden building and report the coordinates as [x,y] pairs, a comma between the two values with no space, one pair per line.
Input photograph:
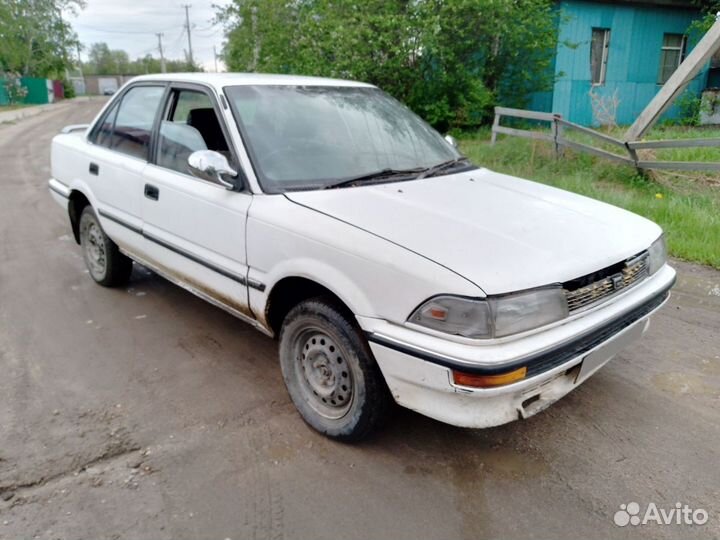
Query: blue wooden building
[626,48]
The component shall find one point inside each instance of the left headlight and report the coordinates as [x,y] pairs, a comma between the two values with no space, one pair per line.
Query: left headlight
[657,255]
[492,317]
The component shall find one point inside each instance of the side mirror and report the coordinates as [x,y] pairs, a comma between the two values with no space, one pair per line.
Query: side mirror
[210,165]
[452,141]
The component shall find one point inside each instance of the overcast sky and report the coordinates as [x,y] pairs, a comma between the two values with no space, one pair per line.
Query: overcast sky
[131,25]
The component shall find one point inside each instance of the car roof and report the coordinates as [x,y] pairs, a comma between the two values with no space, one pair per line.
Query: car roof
[220,80]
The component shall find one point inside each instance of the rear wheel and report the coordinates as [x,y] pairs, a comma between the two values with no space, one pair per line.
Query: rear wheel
[330,373]
[106,265]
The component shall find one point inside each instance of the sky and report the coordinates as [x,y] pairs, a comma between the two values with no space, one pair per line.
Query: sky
[131,25]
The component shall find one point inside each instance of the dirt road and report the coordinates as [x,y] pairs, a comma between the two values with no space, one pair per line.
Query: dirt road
[146,413]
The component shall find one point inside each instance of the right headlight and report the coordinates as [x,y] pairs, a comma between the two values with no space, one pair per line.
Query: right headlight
[657,255]
[492,317]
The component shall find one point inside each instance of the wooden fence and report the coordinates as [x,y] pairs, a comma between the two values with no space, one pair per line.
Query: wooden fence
[627,150]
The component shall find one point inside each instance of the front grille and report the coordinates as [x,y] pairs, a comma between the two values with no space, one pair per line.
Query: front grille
[625,275]
[555,357]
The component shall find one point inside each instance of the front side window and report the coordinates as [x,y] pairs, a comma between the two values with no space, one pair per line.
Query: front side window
[672,54]
[189,125]
[310,137]
[134,121]
[599,52]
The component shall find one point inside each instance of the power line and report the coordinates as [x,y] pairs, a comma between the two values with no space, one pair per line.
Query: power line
[208,35]
[176,44]
[213,25]
[121,31]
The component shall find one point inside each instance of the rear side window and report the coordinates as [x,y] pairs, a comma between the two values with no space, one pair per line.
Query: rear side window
[103,133]
[134,121]
[128,126]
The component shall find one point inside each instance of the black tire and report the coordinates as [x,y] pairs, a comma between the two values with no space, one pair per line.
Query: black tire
[106,265]
[336,385]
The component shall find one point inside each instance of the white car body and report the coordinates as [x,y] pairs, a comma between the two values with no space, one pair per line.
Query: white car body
[383,250]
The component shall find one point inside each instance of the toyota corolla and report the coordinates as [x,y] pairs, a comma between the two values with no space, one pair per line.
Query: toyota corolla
[388,266]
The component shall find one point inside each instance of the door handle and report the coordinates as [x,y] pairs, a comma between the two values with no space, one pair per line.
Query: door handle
[94,169]
[151,192]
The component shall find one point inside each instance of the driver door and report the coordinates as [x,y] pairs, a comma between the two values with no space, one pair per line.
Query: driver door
[194,229]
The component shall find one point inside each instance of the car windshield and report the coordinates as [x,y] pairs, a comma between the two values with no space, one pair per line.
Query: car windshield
[313,137]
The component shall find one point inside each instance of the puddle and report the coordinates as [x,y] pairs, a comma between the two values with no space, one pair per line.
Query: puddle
[471,468]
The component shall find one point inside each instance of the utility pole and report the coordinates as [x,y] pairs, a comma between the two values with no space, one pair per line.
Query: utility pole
[256,42]
[79,61]
[64,51]
[162,56]
[215,58]
[187,26]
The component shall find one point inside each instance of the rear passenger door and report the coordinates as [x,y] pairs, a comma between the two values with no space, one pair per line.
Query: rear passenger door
[121,149]
[194,229]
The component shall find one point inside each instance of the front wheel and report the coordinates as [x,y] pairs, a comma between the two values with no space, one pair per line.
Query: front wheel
[106,265]
[330,373]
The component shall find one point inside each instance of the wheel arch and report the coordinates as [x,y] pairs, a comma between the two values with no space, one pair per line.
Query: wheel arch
[76,203]
[290,291]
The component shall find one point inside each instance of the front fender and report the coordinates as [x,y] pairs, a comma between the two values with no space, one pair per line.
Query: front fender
[322,273]
[373,277]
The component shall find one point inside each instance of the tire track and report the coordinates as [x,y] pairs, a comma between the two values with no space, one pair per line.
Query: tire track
[267,516]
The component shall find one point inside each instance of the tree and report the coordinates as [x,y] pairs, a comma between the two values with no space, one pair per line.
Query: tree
[711,9]
[450,60]
[478,53]
[100,60]
[105,61]
[14,88]
[35,40]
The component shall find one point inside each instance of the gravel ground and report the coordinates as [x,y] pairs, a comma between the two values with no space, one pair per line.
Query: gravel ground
[146,413]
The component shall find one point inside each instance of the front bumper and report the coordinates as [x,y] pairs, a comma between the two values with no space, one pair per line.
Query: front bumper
[558,360]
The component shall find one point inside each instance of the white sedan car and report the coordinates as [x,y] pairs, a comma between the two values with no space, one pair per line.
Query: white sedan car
[326,214]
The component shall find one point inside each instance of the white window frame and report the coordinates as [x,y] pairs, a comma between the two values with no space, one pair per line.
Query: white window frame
[682,49]
[604,57]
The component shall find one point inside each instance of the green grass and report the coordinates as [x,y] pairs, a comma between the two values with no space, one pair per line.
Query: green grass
[687,154]
[4,108]
[686,206]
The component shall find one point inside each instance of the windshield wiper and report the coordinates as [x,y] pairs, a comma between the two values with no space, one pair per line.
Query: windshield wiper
[377,175]
[414,174]
[430,171]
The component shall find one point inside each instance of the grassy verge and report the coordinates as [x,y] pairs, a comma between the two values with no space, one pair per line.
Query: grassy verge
[4,108]
[686,205]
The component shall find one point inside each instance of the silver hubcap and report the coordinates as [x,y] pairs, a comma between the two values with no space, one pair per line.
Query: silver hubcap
[325,377]
[94,247]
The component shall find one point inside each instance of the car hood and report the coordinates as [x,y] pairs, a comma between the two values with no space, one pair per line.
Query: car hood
[502,233]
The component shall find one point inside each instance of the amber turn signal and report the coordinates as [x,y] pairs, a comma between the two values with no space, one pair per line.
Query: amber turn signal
[488,381]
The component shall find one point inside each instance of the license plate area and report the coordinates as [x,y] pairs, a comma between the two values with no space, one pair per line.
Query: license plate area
[596,359]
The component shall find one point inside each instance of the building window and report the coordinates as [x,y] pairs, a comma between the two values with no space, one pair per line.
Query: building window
[672,54]
[599,49]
